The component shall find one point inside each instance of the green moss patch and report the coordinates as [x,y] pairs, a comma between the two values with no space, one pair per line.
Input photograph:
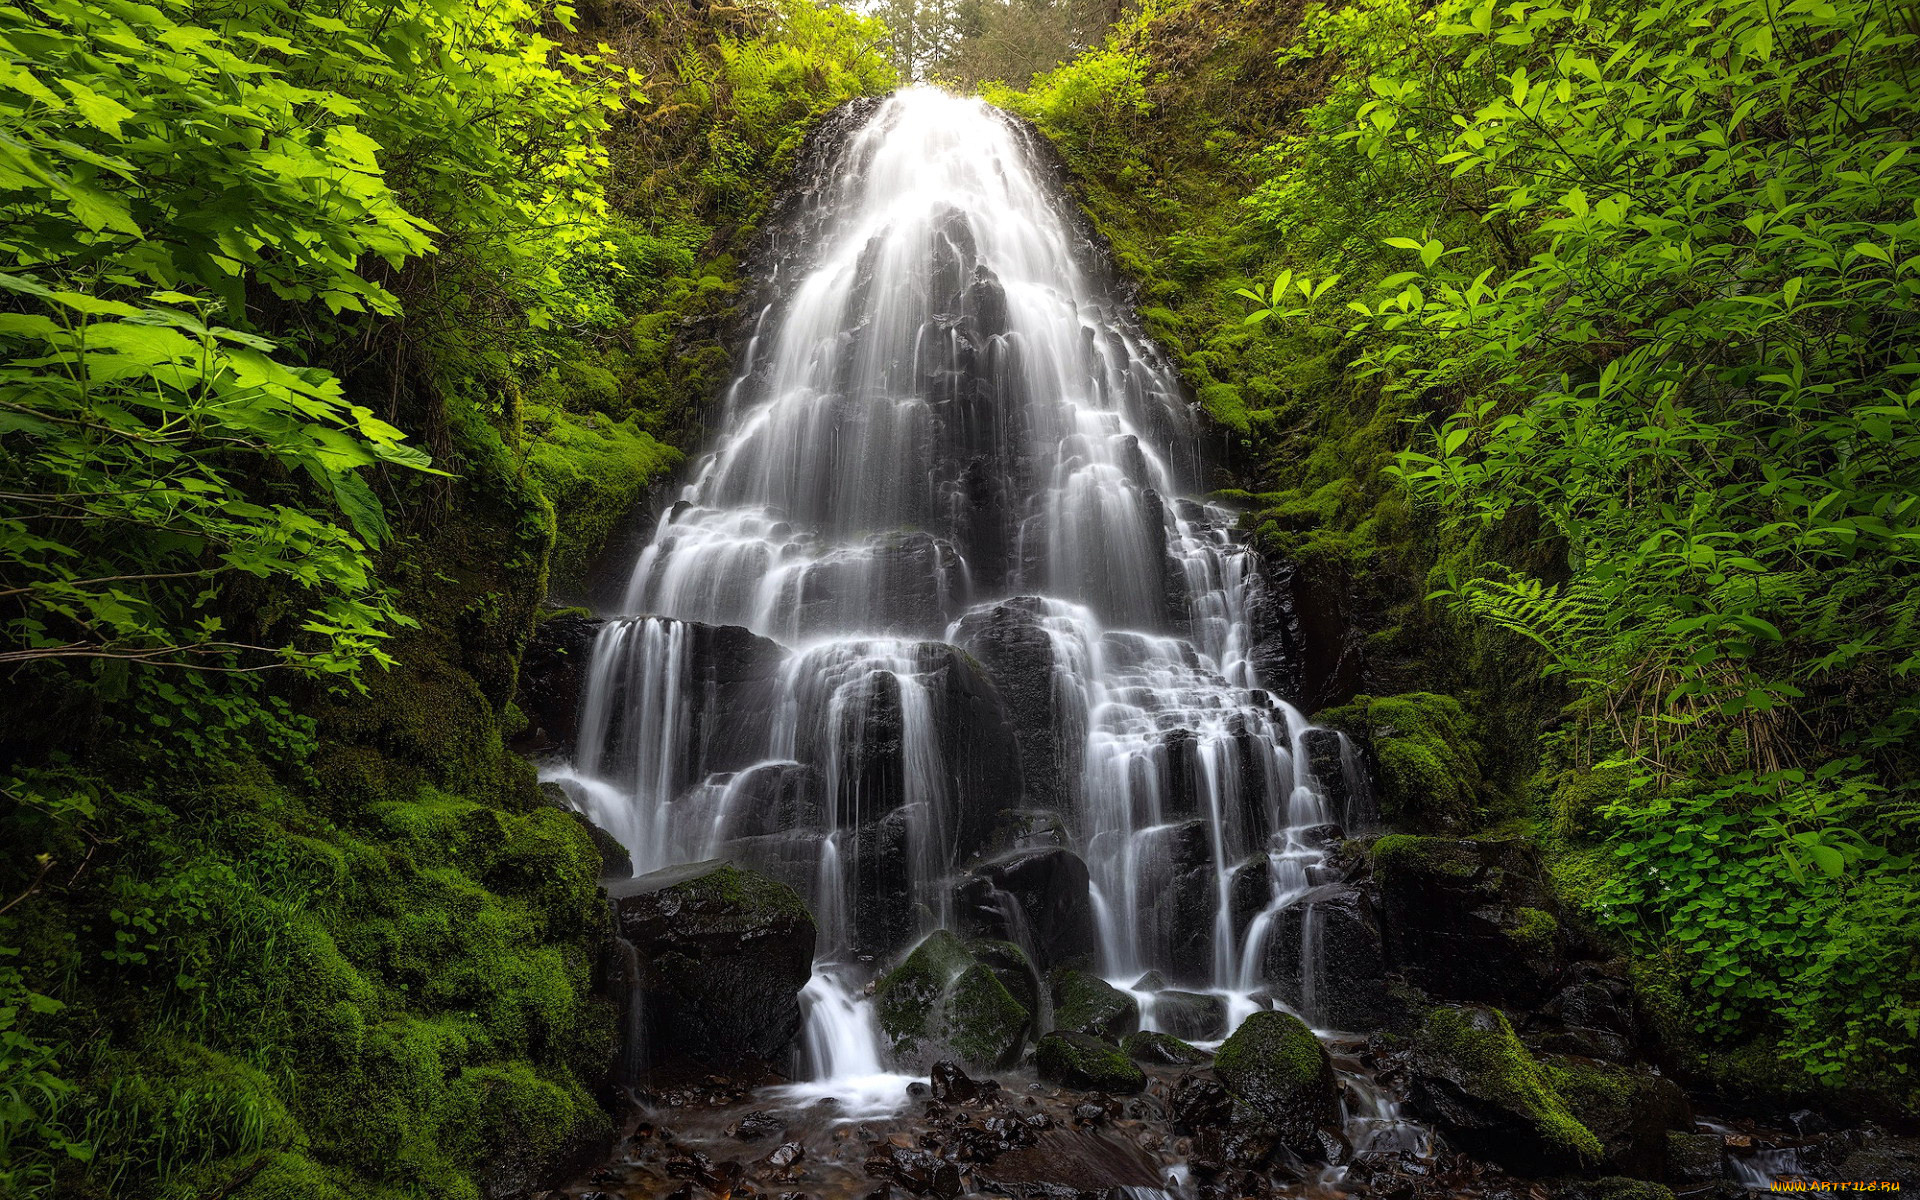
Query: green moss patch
[1086,1064]
[941,1002]
[1473,1057]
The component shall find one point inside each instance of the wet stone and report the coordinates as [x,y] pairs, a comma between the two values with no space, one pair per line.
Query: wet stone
[918,1172]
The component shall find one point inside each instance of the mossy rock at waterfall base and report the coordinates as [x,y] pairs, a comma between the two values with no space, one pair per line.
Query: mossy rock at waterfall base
[1086,1003]
[1163,1049]
[1631,1110]
[1087,1064]
[942,1002]
[1276,1067]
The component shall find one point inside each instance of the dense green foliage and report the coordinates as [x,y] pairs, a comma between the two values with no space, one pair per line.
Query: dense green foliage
[1585,329]
[283,915]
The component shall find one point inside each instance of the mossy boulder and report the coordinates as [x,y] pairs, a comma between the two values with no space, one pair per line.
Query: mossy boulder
[1086,1064]
[723,954]
[1276,1067]
[1470,1075]
[1425,757]
[942,1002]
[1630,1109]
[1011,966]
[1086,1003]
[1469,919]
[1162,1048]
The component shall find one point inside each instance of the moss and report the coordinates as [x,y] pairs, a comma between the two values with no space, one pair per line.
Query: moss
[1086,1003]
[1086,1064]
[941,1000]
[593,470]
[1577,797]
[1145,1046]
[1427,855]
[1429,774]
[1481,1053]
[983,1020]
[1617,1187]
[1537,930]
[753,898]
[1011,966]
[1271,1050]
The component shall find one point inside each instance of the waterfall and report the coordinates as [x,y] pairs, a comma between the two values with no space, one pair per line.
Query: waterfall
[944,564]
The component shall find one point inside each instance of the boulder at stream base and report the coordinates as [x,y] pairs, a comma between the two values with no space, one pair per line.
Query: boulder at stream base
[723,954]
[1086,1064]
[1086,1003]
[944,1003]
[1197,1015]
[1630,1109]
[1276,1067]
[1473,1079]
[1162,1048]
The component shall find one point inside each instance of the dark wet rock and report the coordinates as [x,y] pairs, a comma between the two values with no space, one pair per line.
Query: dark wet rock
[776,798]
[1883,1156]
[727,676]
[785,1155]
[552,680]
[1592,1015]
[1694,1158]
[1029,829]
[1276,1067]
[1179,874]
[872,741]
[1009,641]
[1163,1049]
[977,742]
[918,1172]
[1320,837]
[951,1085]
[1249,892]
[942,1003]
[1086,1064]
[1469,919]
[885,917]
[1196,1016]
[1067,1162]
[1041,1189]
[1470,1076]
[981,761]
[757,1125]
[1342,984]
[1085,1003]
[1630,1109]
[723,954]
[1036,898]
[1197,1103]
[1341,776]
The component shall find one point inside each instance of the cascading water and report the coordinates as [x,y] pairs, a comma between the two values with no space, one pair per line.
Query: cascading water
[940,573]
